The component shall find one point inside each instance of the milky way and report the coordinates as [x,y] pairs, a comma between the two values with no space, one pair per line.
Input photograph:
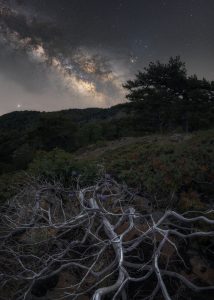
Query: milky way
[58,54]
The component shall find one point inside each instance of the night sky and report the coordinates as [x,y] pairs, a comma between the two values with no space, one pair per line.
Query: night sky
[58,54]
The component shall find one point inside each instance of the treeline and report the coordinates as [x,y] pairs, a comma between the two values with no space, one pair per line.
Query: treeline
[22,134]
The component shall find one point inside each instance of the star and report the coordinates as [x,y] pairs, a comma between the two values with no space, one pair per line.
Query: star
[133,59]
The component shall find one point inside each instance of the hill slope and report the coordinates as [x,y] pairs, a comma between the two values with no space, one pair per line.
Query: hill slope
[24,133]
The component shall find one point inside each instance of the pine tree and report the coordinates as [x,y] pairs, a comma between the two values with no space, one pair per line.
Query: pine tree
[170,97]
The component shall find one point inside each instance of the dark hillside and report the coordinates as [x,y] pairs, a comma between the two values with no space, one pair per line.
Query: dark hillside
[22,134]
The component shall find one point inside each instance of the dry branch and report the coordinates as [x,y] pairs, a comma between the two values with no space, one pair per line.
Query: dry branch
[92,243]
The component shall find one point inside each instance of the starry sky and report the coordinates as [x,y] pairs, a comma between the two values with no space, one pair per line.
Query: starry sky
[59,54]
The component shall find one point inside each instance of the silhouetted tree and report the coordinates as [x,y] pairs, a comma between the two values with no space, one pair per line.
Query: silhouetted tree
[170,97]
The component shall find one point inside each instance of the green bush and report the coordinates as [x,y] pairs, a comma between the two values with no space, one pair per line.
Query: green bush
[58,165]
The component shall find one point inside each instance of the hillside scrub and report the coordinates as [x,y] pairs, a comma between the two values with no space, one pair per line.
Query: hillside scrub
[178,168]
[170,169]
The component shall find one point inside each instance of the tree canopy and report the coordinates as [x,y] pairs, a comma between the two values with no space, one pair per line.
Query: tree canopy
[171,96]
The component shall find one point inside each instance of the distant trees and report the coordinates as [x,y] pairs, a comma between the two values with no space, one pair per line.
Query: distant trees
[54,130]
[171,98]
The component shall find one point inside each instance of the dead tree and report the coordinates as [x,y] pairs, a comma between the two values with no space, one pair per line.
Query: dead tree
[93,243]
